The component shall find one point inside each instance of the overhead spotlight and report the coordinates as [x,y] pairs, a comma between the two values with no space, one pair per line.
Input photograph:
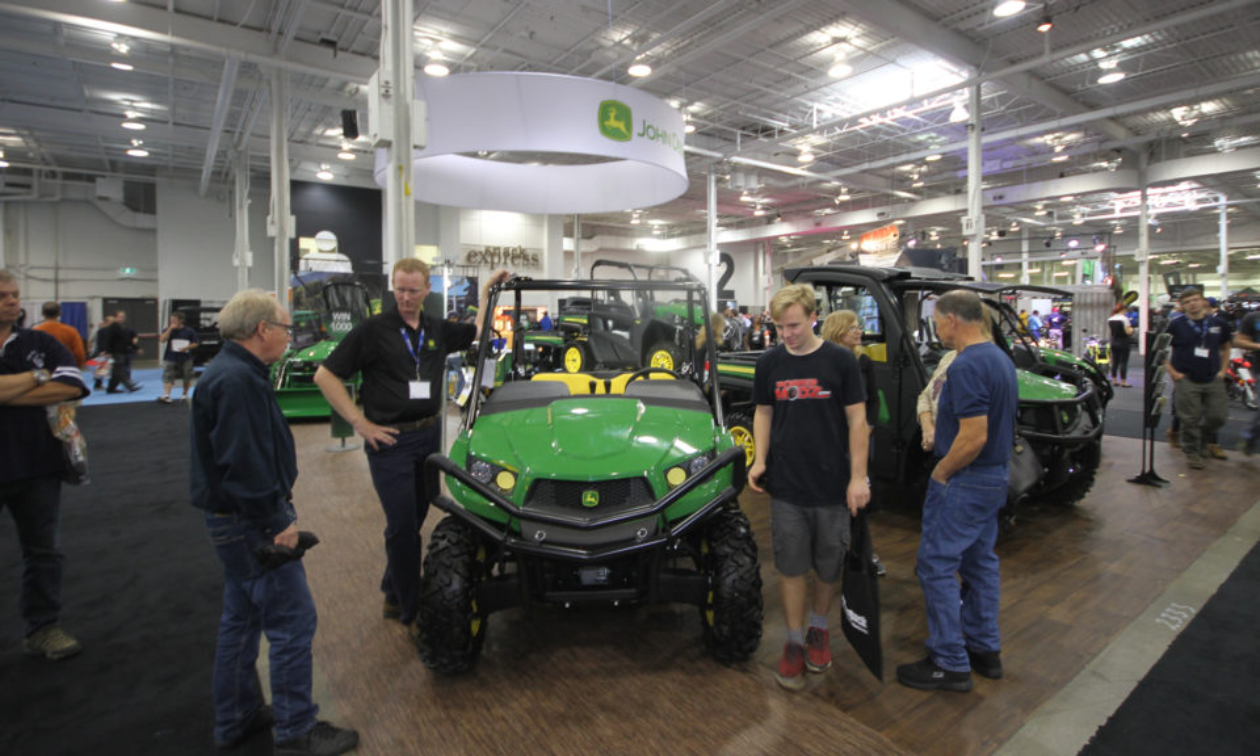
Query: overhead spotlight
[1060,158]
[323,173]
[912,243]
[1046,23]
[346,155]
[639,69]
[139,152]
[839,69]
[1100,248]
[931,158]
[806,156]
[1058,234]
[916,184]
[1073,243]
[133,125]
[122,66]
[959,113]
[845,235]
[745,196]
[1111,77]
[1005,8]
[120,46]
[759,211]
[436,69]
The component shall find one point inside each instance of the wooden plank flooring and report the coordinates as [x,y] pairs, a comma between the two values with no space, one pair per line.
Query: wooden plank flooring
[635,680]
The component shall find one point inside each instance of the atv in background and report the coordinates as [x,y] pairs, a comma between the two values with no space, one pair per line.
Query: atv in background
[1060,411]
[604,486]
[615,330]
[323,313]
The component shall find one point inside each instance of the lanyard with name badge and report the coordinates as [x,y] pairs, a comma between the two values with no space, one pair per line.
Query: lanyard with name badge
[1201,350]
[416,389]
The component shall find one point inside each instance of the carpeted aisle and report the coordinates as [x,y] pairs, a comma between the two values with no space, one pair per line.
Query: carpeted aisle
[142,684]
[1201,696]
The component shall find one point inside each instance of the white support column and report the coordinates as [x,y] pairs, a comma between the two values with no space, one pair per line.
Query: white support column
[281,225]
[577,247]
[711,256]
[242,257]
[1224,245]
[1023,255]
[975,191]
[1142,255]
[396,80]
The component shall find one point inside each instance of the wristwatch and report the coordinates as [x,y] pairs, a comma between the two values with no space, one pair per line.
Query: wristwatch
[41,377]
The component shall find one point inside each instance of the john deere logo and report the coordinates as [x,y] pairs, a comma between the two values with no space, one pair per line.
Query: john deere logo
[615,121]
[590,499]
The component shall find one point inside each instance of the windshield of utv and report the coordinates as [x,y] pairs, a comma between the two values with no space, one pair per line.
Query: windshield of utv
[608,338]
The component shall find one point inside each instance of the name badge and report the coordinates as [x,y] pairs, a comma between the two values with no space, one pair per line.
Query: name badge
[418,389]
[1201,352]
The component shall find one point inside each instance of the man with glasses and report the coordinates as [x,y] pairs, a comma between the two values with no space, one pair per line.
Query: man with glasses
[975,429]
[242,474]
[401,355]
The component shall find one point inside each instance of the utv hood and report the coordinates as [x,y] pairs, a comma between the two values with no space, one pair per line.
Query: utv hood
[1035,388]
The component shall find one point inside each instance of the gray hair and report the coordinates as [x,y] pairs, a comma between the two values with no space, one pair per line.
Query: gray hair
[6,276]
[966,305]
[241,316]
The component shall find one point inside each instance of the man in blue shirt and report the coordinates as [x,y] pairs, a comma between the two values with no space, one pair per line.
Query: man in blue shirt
[177,363]
[35,371]
[975,429]
[1034,325]
[242,473]
[1200,356]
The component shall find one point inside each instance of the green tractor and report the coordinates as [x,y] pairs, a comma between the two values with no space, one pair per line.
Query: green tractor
[615,486]
[605,331]
[1061,406]
[323,313]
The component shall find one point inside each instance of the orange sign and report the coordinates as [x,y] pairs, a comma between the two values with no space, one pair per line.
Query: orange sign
[881,240]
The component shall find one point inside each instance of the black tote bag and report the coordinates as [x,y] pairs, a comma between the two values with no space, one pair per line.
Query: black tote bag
[859,598]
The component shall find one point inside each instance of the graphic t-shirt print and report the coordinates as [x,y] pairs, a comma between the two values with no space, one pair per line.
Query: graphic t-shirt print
[802,388]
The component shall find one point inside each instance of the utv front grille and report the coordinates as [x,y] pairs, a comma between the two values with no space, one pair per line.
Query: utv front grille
[574,496]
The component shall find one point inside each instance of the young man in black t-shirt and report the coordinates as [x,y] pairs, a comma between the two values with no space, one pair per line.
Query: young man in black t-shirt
[810,410]
[1248,338]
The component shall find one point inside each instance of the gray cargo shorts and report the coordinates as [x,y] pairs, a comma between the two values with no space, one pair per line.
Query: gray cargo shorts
[806,538]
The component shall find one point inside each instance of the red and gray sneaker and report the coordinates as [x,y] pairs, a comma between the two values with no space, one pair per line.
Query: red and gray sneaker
[791,674]
[818,649]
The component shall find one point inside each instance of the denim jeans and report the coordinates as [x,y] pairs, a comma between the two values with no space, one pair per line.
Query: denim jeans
[960,526]
[398,476]
[35,504]
[276,602]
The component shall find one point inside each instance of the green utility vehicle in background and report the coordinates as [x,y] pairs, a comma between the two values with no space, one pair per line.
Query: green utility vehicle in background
[323,313]
[603,331]
[608,486]
[1061,403]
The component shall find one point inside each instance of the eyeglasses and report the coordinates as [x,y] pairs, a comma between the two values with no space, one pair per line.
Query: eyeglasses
[286,326]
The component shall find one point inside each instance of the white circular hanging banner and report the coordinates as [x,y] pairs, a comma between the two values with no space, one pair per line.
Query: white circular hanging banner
[545,144]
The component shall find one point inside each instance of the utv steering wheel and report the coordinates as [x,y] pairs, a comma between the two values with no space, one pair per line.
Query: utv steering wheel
[645,372]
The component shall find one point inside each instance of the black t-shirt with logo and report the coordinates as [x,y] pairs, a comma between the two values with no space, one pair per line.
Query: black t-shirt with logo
[376,347]
[809,434]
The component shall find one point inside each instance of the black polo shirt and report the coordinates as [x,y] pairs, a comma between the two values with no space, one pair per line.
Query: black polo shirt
[1210,334]
[378,349]
[28,448]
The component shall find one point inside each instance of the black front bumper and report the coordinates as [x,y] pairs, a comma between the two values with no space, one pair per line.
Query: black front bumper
[630,530]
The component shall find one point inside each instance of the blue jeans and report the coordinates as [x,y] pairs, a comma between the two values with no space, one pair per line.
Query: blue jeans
[276,602]
[35,504]
[398,476]
[960,526]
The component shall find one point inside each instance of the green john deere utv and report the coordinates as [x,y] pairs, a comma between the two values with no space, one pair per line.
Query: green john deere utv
[613,486]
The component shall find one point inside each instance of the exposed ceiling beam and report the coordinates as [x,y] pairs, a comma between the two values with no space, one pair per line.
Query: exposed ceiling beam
[921,31]
[183,30]
[221,106]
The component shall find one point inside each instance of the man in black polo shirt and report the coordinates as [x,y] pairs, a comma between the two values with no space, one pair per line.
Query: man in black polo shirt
[1200,357]
[35,371]
[402,357]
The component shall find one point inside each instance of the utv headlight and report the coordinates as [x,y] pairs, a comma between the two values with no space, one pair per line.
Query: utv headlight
[492,474]
[677,475]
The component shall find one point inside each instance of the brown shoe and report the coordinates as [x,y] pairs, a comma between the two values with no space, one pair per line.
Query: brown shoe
[1174,439]
[1216,452]
[51,642]
[1196,462]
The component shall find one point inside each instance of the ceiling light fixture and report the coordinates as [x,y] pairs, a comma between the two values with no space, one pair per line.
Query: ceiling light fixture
[436,68]
[138,152]
[323,172]
[346,155]
[120,46]
[931,158]
[1111,77]
[1007,8]
[806,156]
[959,113]
[1046,23]
[133,125]
[122,66]
[759,211]
[639,69]
[1060,158]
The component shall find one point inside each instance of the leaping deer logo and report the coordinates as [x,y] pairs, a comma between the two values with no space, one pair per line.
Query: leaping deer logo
[614,118]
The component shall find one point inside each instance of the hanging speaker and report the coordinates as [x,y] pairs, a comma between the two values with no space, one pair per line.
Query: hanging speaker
[350,124]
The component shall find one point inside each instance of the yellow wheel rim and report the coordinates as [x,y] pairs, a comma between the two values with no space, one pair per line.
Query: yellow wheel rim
[661,358]
[744,438]
[573,360]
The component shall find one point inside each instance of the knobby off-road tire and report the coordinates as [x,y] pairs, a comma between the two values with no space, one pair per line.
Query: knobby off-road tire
[740,425]
[452,628]
[1084,464]
[665,354]
[732,612]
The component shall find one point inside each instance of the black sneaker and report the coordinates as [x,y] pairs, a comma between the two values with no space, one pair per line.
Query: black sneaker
[321,740]
[925,675]
[134,387]
[263,720]
[986,663]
